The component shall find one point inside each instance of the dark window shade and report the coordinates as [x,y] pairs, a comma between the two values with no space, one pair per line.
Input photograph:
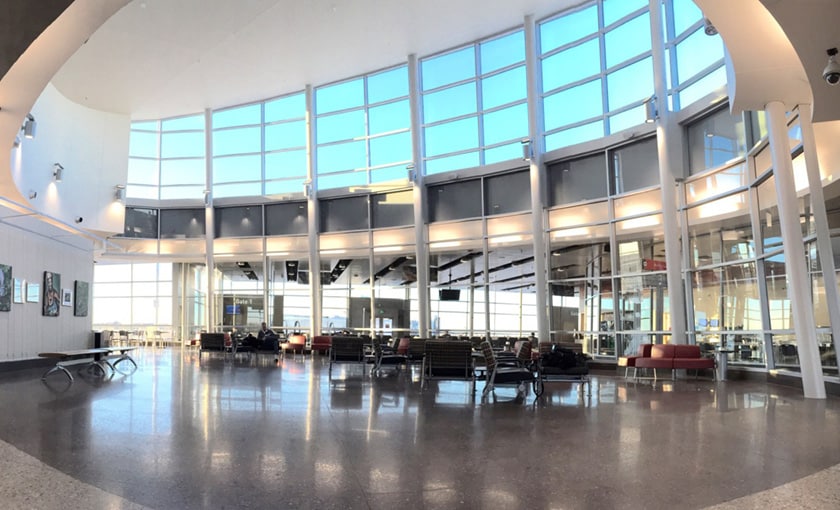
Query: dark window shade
[289,218]
[239,221]
[455,201]
[180,223]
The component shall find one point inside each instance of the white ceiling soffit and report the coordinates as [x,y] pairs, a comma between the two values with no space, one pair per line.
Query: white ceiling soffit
[765,66]
[161,58]
[813,26]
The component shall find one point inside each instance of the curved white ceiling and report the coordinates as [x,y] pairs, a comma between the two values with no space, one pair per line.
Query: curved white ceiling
[161,58]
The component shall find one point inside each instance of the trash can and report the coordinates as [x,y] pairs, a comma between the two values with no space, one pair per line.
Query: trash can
[722,363]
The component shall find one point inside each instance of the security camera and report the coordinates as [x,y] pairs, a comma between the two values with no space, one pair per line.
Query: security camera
[831,73]
[79,219]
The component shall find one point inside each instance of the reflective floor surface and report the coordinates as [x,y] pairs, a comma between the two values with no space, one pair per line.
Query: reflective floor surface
[223,433]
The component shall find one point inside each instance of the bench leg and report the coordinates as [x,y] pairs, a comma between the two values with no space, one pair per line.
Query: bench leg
[57,368]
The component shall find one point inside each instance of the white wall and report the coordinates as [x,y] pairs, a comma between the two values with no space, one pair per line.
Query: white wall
[91,145]
[24,331]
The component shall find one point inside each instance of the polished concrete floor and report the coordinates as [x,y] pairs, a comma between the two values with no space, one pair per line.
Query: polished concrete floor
[225,434]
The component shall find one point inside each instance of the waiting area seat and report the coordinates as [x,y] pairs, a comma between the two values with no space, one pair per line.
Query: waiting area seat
[675,357]
[211,342]
[448,360]
[630,361]
[347,349]
[321,344]
[515,372]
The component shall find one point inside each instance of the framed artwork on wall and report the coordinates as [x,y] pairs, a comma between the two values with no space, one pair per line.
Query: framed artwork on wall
[81,304]
[5,288]
[66,297]
[20,286]
[52,296]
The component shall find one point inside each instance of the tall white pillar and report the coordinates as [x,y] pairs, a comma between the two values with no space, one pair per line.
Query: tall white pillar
[417,176]
[824,248]
[667,127]
[799,291]
[209,220]
[311,192]
[537,176]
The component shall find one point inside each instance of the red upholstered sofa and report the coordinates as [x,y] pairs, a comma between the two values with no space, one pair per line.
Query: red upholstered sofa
[321,344]
[630,361]
[675,357]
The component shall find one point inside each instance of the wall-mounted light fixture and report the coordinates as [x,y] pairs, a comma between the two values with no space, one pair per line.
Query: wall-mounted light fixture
[527,150]
[651,113]
[16,144]
[57,171]
[412,173]
[307,189]
[119,193]
[29,126]
[33,194]
[207,197]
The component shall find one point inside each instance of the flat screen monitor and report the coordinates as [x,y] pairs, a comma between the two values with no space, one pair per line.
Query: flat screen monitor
[232,309]
[450,294]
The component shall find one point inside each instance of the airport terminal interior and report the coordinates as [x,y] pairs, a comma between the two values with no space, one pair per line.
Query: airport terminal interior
[623,178]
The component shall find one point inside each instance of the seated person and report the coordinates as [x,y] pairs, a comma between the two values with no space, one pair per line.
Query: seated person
[268,340]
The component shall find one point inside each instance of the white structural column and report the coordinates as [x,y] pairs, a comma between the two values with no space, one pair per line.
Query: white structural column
[417,174]
[311,188]
[799,291]
[824,248]
[666,127]
[537,180]
[209,220]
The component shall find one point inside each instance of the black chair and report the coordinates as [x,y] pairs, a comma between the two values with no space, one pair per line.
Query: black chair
[211,342]
[515,373]
[383,357]
[448,359]
[347,349]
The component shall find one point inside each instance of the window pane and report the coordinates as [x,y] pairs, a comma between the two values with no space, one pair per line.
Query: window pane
[449,68]
[182,144]
[289,107]
[342,126]
[629,84]
[439,165]
[390,149]
[143,171]
[389,173]
[182,171]
[696,53]
[237,168]
[283,187]
[503,153]
[448,103]
[243,189]
[193,122]
[342,156]
[502,52]
[574,135]
[285,135]
[389,117]
[714,140]
[703,87]
[573,64]
[240,116]
[340,96]
[145,192]
[452,136]
[143,144]
[508,124]
[237,141]
[568,28]
[628,119]
[573,105]
[388,85]
[628,40]
[504,88]
[145,125]
[686,14]
[285,164]
[342,180]
[617,9]
[181,192]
